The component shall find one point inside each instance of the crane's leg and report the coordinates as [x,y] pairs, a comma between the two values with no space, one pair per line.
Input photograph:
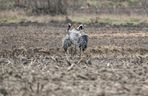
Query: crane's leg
[71,51]
[75,49]
[80,51]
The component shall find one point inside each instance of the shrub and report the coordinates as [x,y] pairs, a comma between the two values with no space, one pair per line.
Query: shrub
[36,7]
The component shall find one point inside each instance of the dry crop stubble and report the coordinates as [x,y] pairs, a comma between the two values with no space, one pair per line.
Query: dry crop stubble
[35,63]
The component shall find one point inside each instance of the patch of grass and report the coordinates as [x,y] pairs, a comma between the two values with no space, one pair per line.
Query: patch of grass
[122,20]
[94,3]
[11,20]
[85,20]
[133,2]
[7,17]
[113,3]
[111,20]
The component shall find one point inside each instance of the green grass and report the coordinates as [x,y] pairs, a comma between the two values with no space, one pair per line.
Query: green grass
[85,20]
[7,17]
[106,21]
[114,3]
[11,20]
[113,20]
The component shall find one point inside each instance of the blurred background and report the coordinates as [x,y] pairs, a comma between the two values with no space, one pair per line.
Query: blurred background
[112,12]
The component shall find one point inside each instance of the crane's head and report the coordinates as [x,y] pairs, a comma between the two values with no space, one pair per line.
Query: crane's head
[69,26]
[80,27]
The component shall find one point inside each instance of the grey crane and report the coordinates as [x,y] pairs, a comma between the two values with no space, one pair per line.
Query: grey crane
[76,38]
[72,37]
[83,39]
[66,42]
[83,43]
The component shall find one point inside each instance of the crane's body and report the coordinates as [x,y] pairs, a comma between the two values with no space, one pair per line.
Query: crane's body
[74,37]
[66,43]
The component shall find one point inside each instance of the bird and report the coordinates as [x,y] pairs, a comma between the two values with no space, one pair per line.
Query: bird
[76,37]
[83,43]
[80,27]
[83,39]
[71,38]
[66,42]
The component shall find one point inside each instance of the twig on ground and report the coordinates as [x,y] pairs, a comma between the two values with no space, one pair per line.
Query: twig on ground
[53,58]
[70,68]
[68,61]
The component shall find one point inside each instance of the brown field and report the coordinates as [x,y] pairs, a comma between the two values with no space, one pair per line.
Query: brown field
[32,62]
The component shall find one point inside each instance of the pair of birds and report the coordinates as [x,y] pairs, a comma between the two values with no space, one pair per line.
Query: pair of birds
[76,37]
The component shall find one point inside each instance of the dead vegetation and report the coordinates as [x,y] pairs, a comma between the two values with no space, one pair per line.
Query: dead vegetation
[44,74]
[32,62]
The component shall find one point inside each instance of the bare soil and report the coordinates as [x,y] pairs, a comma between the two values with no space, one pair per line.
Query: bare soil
[33,63]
